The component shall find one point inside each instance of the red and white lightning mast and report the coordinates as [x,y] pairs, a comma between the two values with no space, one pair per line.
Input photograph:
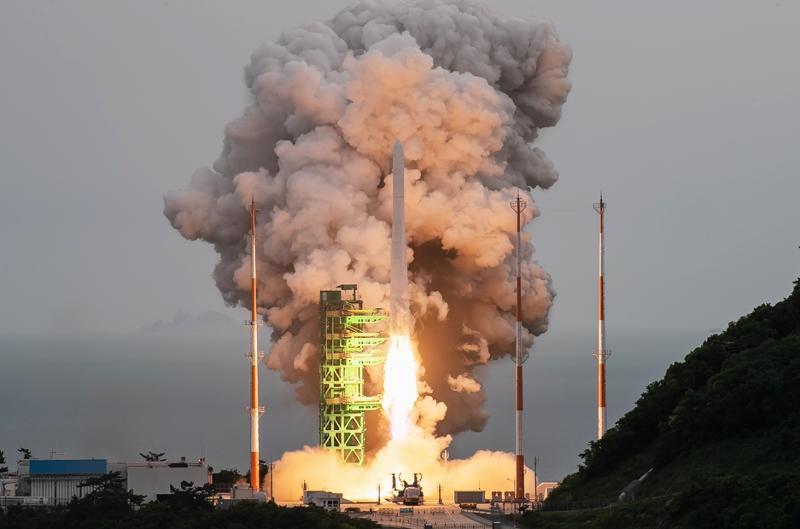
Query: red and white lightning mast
[519,205]
[255,357]
[601,353]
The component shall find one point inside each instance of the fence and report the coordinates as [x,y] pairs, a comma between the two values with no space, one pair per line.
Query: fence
[438,518]
[578,505]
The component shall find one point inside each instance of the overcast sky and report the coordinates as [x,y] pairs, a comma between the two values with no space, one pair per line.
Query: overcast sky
[683,113]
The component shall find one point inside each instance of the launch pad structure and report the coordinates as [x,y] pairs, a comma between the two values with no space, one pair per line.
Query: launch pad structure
[346,347]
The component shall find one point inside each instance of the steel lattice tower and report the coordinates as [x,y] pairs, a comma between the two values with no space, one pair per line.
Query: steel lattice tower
[601,352]
[346,347]
[520,356]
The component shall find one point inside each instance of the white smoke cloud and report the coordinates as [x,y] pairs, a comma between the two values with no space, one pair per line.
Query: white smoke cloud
[419,452]
[463,384]
[466,92]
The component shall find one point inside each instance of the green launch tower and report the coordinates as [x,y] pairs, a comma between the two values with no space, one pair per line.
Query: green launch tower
[346,347]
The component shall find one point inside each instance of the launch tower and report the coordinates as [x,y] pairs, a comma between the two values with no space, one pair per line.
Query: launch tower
[346,346]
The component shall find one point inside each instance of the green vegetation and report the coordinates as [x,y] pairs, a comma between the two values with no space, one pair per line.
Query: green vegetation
[720,431]
[227,478]
[110,506]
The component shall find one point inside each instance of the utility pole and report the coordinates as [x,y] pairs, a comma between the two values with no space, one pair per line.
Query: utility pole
[271,481]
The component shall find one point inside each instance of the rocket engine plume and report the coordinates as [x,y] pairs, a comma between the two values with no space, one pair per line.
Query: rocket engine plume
[466,91]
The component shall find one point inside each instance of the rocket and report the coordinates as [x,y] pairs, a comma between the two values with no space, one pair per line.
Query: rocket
[399,313]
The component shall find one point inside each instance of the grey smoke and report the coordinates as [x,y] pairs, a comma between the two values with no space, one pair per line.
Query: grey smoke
[466,91]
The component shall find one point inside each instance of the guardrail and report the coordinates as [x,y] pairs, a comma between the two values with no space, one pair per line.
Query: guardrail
[30,501]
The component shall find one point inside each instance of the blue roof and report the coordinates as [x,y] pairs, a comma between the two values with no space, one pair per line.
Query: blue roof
[68,466]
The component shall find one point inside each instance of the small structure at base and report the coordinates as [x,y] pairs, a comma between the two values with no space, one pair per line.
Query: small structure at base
[544,489]
[469,497]
[153,479]
[238,495]
[330,501]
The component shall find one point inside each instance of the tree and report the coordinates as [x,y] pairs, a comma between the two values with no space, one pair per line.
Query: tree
[190,498]
[26,454]
[225,479]
[2,462]
[109,489]
[107,499]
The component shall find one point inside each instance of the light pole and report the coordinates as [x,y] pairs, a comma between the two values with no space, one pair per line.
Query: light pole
[271,482]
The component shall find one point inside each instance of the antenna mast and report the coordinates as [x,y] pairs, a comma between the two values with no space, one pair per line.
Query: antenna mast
[254,356]
[601,352]
[519,205]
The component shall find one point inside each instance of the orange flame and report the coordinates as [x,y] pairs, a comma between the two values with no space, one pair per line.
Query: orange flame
[400,385]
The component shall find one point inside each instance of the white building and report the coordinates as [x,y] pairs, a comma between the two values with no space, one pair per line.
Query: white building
[544,489]
[153,478]
[57,481]
[322,498]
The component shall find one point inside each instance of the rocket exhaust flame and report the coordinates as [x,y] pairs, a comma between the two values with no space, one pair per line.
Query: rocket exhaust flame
[400,385]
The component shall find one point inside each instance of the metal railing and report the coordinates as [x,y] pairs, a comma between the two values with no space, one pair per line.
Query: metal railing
[439,519]
[598,503]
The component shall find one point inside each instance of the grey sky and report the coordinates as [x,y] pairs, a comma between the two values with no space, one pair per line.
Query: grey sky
[683,113]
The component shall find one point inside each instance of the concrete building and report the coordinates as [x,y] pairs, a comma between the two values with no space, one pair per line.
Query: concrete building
[544,488]
[322,498]
[57,481]
[154,478]
[8,484]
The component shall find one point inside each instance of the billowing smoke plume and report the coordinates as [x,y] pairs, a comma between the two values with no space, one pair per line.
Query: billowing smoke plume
[466,92]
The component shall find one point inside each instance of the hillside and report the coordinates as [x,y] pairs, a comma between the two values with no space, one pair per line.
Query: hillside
[720,431]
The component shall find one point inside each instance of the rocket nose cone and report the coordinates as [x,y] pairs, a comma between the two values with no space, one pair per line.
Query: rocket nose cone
[398,148]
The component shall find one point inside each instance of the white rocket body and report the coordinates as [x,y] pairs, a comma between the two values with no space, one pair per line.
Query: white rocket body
[399,312]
